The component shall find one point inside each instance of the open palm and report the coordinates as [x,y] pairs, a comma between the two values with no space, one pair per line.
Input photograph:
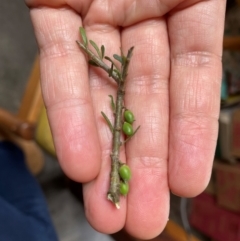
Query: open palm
[172,88]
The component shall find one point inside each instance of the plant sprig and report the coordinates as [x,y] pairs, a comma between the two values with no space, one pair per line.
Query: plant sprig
[117,186]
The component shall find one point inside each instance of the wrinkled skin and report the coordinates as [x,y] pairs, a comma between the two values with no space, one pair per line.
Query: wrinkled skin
[173,89]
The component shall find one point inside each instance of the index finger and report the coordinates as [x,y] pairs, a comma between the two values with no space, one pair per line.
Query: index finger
[65,86]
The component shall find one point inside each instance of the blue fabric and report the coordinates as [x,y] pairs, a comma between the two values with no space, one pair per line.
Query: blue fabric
[23,210]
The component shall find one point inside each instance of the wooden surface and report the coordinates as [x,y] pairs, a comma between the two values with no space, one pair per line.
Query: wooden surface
[13,124]
[20,128]
[23,124]
[32,100]
[231,43]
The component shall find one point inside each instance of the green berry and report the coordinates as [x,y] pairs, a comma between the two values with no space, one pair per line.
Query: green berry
[124,188]
[125,172]
[128,116]
[127,129]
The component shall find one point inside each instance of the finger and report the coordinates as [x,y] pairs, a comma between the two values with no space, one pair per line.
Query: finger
[79,6]
[64,79]
[196,46]
[126,13]
[147,98]
[101,213]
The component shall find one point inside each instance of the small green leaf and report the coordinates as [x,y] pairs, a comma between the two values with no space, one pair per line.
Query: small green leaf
[130,52]
[118,58]
[93,63]
[135,131]
[123,58]
[84,36]
[96,48]
[116,71]
[108,121]
[109,59]
[111,71]
[112,103]
[102,51]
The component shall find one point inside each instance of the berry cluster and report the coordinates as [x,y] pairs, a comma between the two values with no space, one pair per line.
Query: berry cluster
[125,175]
[127,124]
[124,170]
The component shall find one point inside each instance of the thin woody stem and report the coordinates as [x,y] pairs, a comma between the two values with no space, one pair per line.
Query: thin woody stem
[119,76]
[113,193]
[98,61]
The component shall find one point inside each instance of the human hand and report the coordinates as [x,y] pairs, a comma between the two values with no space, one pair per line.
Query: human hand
[173,89]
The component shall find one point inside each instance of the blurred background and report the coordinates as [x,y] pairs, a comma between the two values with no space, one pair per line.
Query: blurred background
[213,215]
